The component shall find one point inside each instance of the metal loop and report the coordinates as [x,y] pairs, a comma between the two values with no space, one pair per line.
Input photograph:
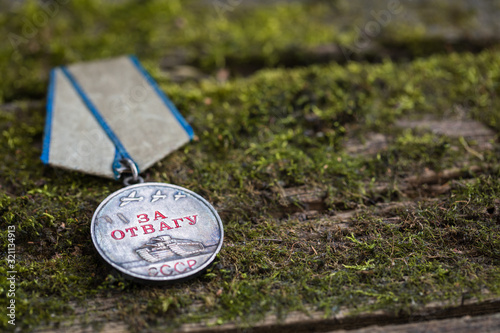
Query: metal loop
[127,181]
[130,167]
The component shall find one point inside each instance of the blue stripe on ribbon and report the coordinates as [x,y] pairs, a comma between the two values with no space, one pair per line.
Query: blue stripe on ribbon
[121,152]
[164,98]
[48,118]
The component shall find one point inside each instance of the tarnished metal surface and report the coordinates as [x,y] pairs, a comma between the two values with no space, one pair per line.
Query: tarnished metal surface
[157,232]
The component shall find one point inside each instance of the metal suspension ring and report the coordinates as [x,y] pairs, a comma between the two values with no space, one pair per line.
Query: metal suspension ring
[130,167]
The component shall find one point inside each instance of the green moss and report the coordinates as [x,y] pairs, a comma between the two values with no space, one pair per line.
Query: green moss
[256,136]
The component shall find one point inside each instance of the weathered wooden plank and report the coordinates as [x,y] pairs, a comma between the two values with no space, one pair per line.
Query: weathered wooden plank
[482,315]
[313,198]
[466,324]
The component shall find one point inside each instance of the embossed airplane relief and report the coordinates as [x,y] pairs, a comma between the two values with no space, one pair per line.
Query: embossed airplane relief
[130,198]
[158,196]
[155,197]
[179,195]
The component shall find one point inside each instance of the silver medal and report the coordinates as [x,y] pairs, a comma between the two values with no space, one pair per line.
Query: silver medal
[157,232]
[110,118]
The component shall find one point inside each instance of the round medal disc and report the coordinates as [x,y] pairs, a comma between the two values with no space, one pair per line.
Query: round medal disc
[157,232]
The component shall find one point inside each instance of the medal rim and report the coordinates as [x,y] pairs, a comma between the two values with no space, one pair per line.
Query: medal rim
[133,275]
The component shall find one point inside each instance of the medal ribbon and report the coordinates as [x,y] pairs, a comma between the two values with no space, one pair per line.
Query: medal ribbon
[121,153]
